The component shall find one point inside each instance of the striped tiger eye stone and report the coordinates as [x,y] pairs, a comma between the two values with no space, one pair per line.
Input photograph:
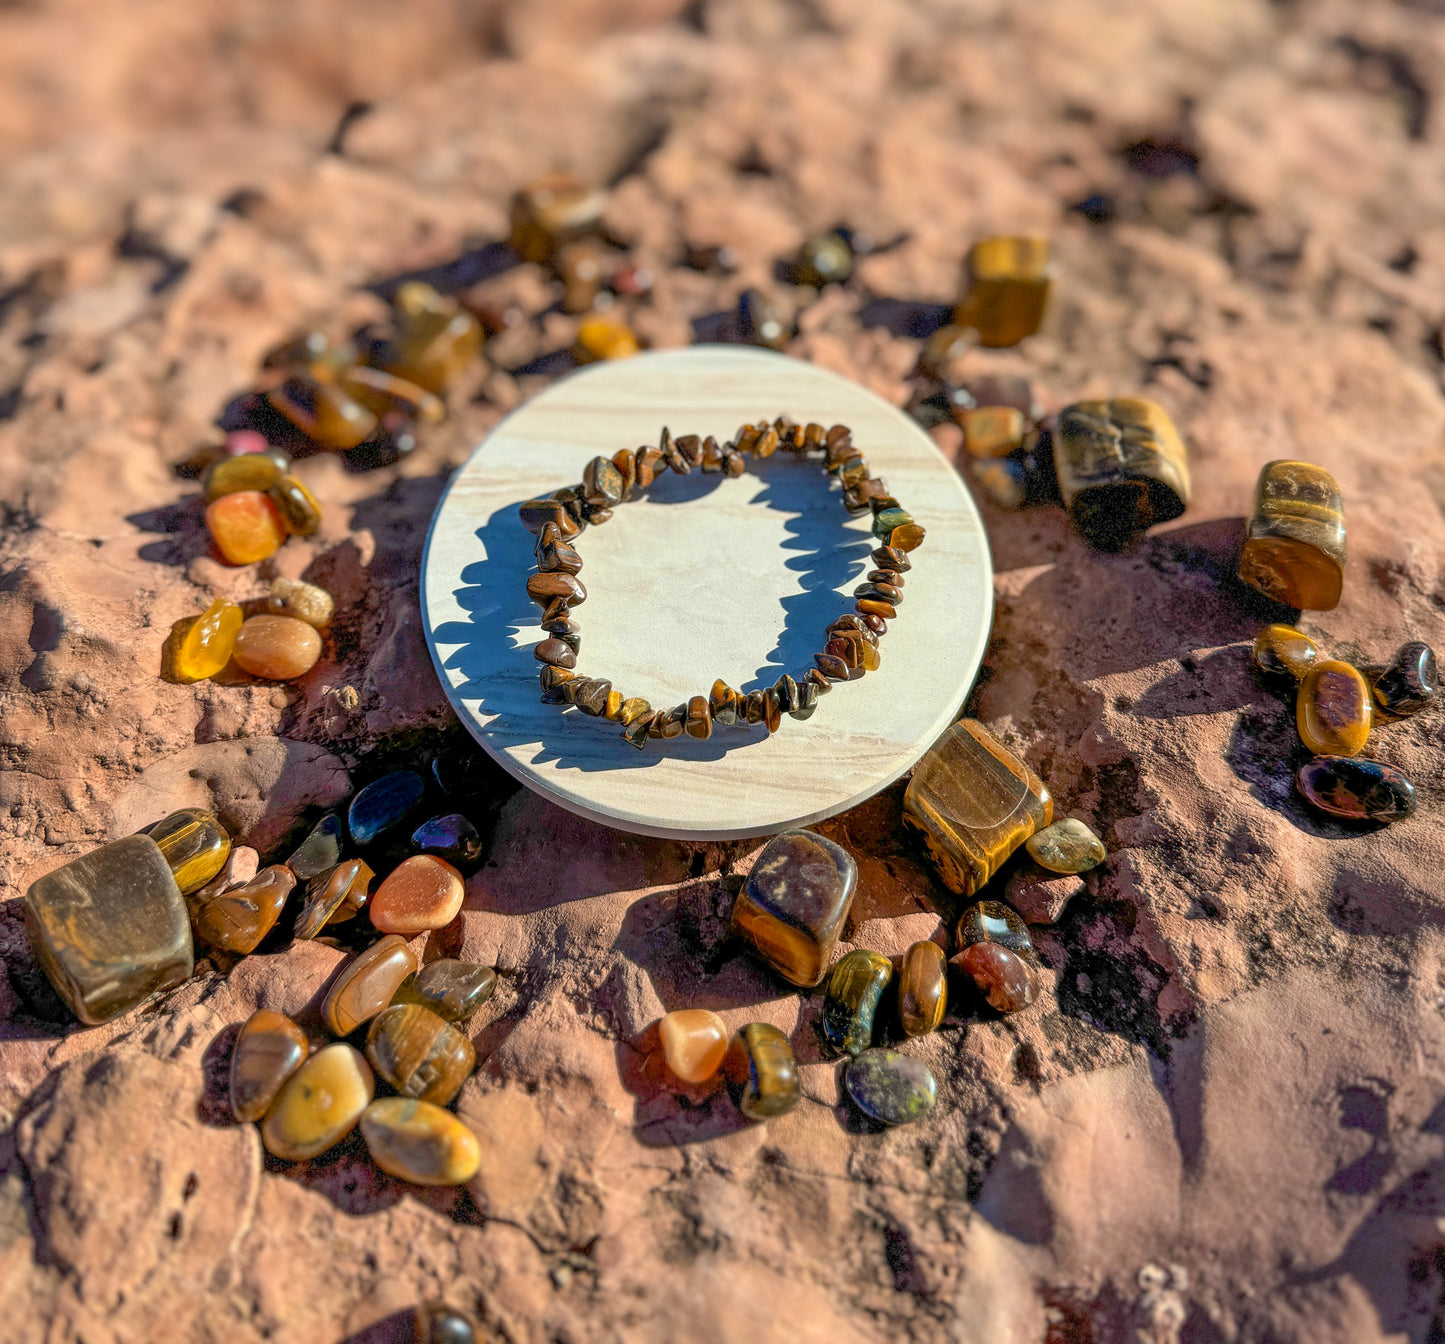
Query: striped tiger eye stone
[855,989]
[699,718]
[922,988]
[1281,650]
[334,896]
[236,920]
[319,1105]
[1294,548]
[419,1054]
[195,845]
[761,1072]
[1334,709]
[1006,289]
[724,702]
[366,984]
[268,1050]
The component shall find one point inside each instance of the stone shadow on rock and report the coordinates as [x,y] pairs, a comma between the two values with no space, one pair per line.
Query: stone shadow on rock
[183,527]
[398,1328]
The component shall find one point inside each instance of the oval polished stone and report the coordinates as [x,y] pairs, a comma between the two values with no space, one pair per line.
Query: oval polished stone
[195,845]
[298,506]
[694,1041]
[423,892]
[1360,790]
[320,852]
[1410,683]
[319,1105]
[1294,549]
[237,920]
[855,989]
[1334,709]
[277,648]
[206,647]
[334,897]
[384,803]
[891,1087]
[418,1054]
[1003,977]
[366,984]
[453,990]
[1068,846]
[418,1142]
[873,606]
[246,526]
[761,1072]
[439,1323]
[994,922]
[268,1050]
[922,988]
[451,837]
[1281,650]
[305,601]
[248,471]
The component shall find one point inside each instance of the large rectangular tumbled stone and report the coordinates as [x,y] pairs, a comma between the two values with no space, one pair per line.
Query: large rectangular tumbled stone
[110,928]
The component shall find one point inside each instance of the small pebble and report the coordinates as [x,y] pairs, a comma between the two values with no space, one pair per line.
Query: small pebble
[418,1054]
[246,526]
[451,837]
[891,1087]
[761,1072]
[1003,977]
[855,988]
[367,984]
[384,803]
[1334,709]
[1068,846]
[694,1041]
[277,648]
[305,601]
[268,1050]
[438,1323]
[423,892]
[319,1105]
[237,919]
[1410,683]
[320,852]
[418,1142]
[1281,650]
[922,988]
[334,896]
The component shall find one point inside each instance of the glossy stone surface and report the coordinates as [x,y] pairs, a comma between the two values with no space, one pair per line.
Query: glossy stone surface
[323,411]
[551,210]
[544,589]
[453,990]
[602,480]
[761,1072]
[890,557]
[246,526]
[537,513]
[724,703]
[423,892]
[558,556]
[109,928]
[419,1054]
[922,988]
[1410,683]
[1281,650]
[438,1323]
[792,908]
[831,666]
[305,601]
[367,984]
[1068,846]
[1360,790]
[383,804]
[418,1142]
[699,718]
[694,1041]
[451,837]
[269,1048]
[807,700]
[1334,709]
[298,506]
[435,339]
[277,648]
[195,845]
[1007,288]
[206,647]
[249,471]
[870,606]
[319,1105]
[974,802]
[631,709]
[334,897]
[591,696]
[1004,978]
[855,989]
[385,394]
[320,852]
[891,1087]
[995,922]
[555,653]
[637,732]
[236,920]
[992,431]
[1121,466]
[1294,547]
[668,723]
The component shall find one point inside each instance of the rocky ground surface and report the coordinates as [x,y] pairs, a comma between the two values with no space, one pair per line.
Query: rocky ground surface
[1224,1122]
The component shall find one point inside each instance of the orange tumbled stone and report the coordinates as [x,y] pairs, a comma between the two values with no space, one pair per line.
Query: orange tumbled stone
[276,647]
[694,1041]
[424,892]
[246,526]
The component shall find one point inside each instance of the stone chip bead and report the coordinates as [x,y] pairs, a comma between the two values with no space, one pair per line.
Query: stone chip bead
[453,990]
[269,1049]
[694,1041]
[110,929]
[319,1105]
[891,1087]
[277,648]
[1334,709]
[418,1054]
[973,802]
[195,845]
[418,1142]
[855,989]
[334,897]
[384,804]
[206,647]
[699,718]
[724,703]
[1003,977]
[1294,546]
[298,506]
[761,1072]
[305,601]
[1006,289]
[423,892]
[1068,846]
[922,988]
[451,837]
[1281,650]
[367,984]
[557,585]
[237,919]
[792,908]
[1410,683]
[246,526]
[1356,789]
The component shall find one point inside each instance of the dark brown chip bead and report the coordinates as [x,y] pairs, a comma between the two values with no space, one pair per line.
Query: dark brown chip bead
[674,459]
[848,651]
[572,501]
[699,718]
[602,481]
[712,455]
[890,557]
[593,700]
[690,446]
[870,489]
[772,715]
[747,438]
[1004,978]
[754,710]
[596,513]
[808,692]
[786,689]
[555,653]
[565,629]
[563,692]
[549,535]
[649,462]
[816,677]
[734,463]
[875,623]
[767,443]
[667,723]
[638,731]
[853,475]
[632,709]
[872,606]
[813,435]
[557,609]
[854,502]
[838,453]
[625,460]
[553,677]
[882,592]
[851,620]
[537,513]
[831,666]
[724,703]
[885,576]
[1411,682]
[559,558]
[547,588]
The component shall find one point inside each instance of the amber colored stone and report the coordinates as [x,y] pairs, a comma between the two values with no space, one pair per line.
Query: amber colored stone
[440,1323]
[1121,466]
[889,557]
[876,606]
[418,1142]
[544,588]
[625,460]
[612,708]
[1294,547]
[319,1105]
[699,718]
[366,984]
[237,919]
[384,393]
[565,629]
[605,337]
[922,988]
[667,723]
[423,892]
[305,601]
[435,340]
[555,653]
[334,896]
[632,709]
[269,1048]
[767,443]
[881,591]
[974,802]
[1066,846]
[1359,790]
[991,431]
[1283,650]
[249,471]
[246,526]
[1334,709]
[298,506]
[206,647]
[109,928]
[552,210]
[712,455]
[419,1054]
[1004,978]
[761,1072]
[323,411]
[649,462]
[694,1041]
[453,990]
[792,908]
[1005,482]
[1410,683]
[887,576]
[874,622]
[195,846]
[592,697]
[724,703]
[537,513]
[579,266]
[277,648]
[639,730]
[1006,290]
[848,646]
[772,714]
[733,463]
[855,989]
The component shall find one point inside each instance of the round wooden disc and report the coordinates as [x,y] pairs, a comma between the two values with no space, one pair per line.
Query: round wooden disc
[705,577]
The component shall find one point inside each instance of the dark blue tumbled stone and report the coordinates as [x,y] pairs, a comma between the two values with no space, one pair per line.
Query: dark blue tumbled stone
[1357,788]
[384,803]
[1410,683]
[891,1087]
[320,852]
[451,837]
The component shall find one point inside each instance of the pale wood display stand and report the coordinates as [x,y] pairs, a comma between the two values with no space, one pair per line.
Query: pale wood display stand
[705,577]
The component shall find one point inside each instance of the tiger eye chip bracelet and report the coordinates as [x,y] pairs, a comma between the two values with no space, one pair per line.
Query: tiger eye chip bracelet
[851,644]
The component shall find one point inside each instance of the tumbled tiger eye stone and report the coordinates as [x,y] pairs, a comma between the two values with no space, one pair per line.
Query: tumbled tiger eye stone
[995,922]
[825,259]
[1006,291]
[319,1105]
[1410,683]
[733,463]
[334,897]
[637,732]
[625,460]
[699,718]
[991,431]
[761,1072]
[559,556]
[1122,467]
[668,723]
[855,989]
[206,648]
[305,601]
[418,1142]
[385,394]
[881,592]
[1004,978]
[876,606]
[438,1323]
[435,340]
[974,802]
[792,908]
[423,892]
[1359,790]
[543,588]
[418,1054]
[320,852]
[612,710]
[592,699]
[249,471]
[694,1041]
[849,648]
[298,506]
[109,928]
[236,920]
[552,210]
[724,702]
[269,1049]
[366,984]
[632,709]
[891,1087]
[537,513]
[555,653]
[453,990]
[890,557]
[831,666]
[1294,548]
[772,718]
[246,526]
[602,480]
[786,690]
[753,709]
[451,837]
[819,679]
[922,988]
[277,648]
[384,803]
[1334,709]
[323,411]
[565,629]
[1283,650]
[807,700]
[1067,846]
[195,845]
[712,455]
[649,462]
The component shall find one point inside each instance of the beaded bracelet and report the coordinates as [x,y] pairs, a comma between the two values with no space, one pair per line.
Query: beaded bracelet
[851,645]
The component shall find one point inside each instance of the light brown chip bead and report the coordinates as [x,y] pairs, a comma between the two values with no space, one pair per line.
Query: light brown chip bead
[418,1142]
[423,892]
[269,1049]
[1334,709]
[320,1104]
[277,648]
[699,718]
[974,802]
[1294,548]
[419,1054]
[1007,288]
[366,984]
[544,589]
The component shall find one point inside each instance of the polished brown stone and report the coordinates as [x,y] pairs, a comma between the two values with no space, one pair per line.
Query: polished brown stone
[1294,548]
[334,897]
[1334,709]
[638,730]
[724,703]
[418,1142]
[699,718]
[922,988]
[786,689]
[441,1323]
[546,588]
[435,337]
[592,699]
[991,431]
[668,723]
[195,846]
[612,708]
[772,718]
[881,592]
[762,1072]
[1066,846]
[601,480]
[419,1054]
[995,922]
[537,513]
[625,460]
[298,506]
[277,648]
[712,455]
[268,1050]
[319,1104]
[631,709]
[1006,289]
[855,989]
[237,919]
[559,557]
[552,210]
[1281,650]
[1004,978]
[819,680]
[387,395]
[650,461]
[555,653]
[422,892]
[875,606]
[304,601]
[1357,789]
[366,984]
[323,411]
[807,700]
[887,576]
[453,990]
[831,666]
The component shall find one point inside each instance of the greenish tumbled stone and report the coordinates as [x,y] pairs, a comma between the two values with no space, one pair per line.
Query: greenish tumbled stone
[855,988]
[320,852]
[384,803]
[891,1087]
[1068,846]
[453,990]
[761,1072]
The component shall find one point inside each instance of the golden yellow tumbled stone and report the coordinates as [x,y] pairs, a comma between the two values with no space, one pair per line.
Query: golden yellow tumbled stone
[206,647]
[601,337]
[321,410]
[694,1041]
[1334,709]
[974,802]
[418,1142]
[992,431]
[195,845]
[320,1104]
[436,338]
[1294,548]
[1007,281]
[305,601]
[1283,649]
